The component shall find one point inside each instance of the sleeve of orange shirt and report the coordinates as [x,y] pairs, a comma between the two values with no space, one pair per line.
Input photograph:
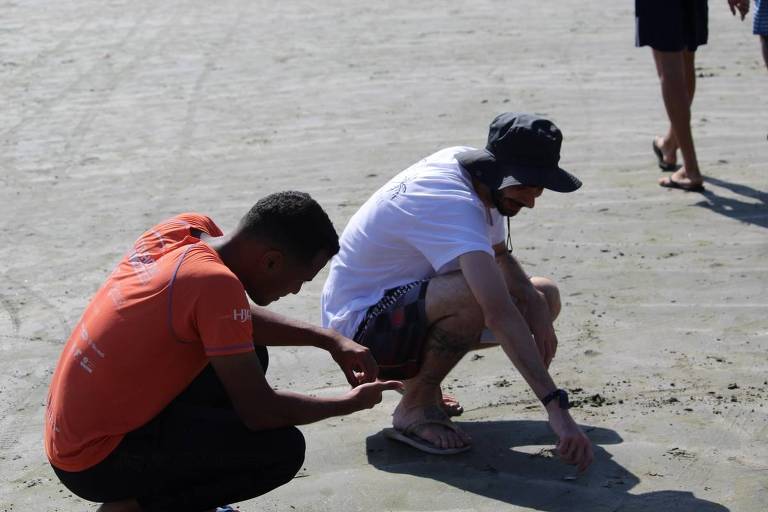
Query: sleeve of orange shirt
[223,316]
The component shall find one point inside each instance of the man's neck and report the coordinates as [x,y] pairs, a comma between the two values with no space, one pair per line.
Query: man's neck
[483,193]
[221,244]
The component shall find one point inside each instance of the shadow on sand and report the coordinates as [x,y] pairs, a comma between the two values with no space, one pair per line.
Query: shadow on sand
[494,469]
[748,212]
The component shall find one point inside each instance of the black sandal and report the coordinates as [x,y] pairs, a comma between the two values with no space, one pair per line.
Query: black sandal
[670,183]
[664,166]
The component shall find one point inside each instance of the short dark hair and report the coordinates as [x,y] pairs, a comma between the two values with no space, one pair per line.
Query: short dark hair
[293,221]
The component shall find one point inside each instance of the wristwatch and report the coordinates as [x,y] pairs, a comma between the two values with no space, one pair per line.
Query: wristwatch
[562,398]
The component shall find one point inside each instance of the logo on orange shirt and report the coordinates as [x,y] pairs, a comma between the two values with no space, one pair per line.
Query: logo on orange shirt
[241,315]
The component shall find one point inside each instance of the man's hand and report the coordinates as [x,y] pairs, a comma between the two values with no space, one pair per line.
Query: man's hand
[260,407]
[365,396]
[355,360]
[741,5]
[574,447]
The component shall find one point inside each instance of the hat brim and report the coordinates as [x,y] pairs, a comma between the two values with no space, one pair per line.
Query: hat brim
[480,162]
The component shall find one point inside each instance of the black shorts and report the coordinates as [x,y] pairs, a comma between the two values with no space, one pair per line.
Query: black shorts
[395,330]
[195,455]
[671,25]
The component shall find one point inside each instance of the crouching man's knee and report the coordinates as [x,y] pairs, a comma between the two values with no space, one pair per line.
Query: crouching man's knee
[551,293]
[277,460]
[295,449]
[288,448]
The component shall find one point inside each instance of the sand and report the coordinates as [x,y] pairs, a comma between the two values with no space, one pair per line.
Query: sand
[119,114]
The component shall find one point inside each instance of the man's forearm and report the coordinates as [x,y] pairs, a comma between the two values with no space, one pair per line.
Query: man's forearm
[527,299]
[505,321]
[518,282]
[517,342]
[261,407]
[297,409]
[274,329]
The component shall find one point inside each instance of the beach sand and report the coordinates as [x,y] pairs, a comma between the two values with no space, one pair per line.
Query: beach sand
[119,114]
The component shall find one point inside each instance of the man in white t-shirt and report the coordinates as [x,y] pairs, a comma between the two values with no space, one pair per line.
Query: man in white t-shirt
[423,270]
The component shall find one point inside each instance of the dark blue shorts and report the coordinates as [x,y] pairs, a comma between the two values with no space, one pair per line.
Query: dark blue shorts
[671,25]
[760,22]
[395,330]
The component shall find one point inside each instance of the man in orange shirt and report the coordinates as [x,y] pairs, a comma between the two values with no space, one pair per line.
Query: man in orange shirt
[159,400]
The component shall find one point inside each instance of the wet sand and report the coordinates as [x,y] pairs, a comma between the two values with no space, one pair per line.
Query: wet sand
[117,115]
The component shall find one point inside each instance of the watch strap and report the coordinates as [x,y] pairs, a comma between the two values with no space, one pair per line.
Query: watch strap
[562,398]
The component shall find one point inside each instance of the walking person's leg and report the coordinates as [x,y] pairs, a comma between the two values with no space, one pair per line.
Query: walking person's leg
[760,26]
[677,77]
[764,46]
[668,144]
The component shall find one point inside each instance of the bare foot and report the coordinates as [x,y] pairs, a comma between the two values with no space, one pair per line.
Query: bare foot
[432,415]
[450,404]
[682,180]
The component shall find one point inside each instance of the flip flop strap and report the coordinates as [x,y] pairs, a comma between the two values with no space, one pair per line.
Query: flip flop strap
[411,429]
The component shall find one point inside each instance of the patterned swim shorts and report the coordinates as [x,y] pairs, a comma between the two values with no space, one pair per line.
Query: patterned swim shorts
[395,330]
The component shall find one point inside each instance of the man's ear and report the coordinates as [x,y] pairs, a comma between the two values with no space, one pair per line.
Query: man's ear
[272,261]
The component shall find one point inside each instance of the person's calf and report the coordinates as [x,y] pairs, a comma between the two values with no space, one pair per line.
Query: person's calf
[445,346]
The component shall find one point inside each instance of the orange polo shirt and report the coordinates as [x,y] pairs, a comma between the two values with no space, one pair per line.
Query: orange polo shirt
[169,305]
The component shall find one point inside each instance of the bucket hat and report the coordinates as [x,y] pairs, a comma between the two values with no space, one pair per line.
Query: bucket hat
[522,149]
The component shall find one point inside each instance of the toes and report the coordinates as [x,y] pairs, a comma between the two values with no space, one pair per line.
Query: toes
[675,177]
[454,441]
[443,437]
[453,409]
[450,440]
[451,405]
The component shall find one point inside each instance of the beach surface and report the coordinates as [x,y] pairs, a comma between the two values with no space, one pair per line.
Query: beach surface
[116,115]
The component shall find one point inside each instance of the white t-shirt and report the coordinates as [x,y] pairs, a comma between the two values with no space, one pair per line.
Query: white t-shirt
[414,227]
